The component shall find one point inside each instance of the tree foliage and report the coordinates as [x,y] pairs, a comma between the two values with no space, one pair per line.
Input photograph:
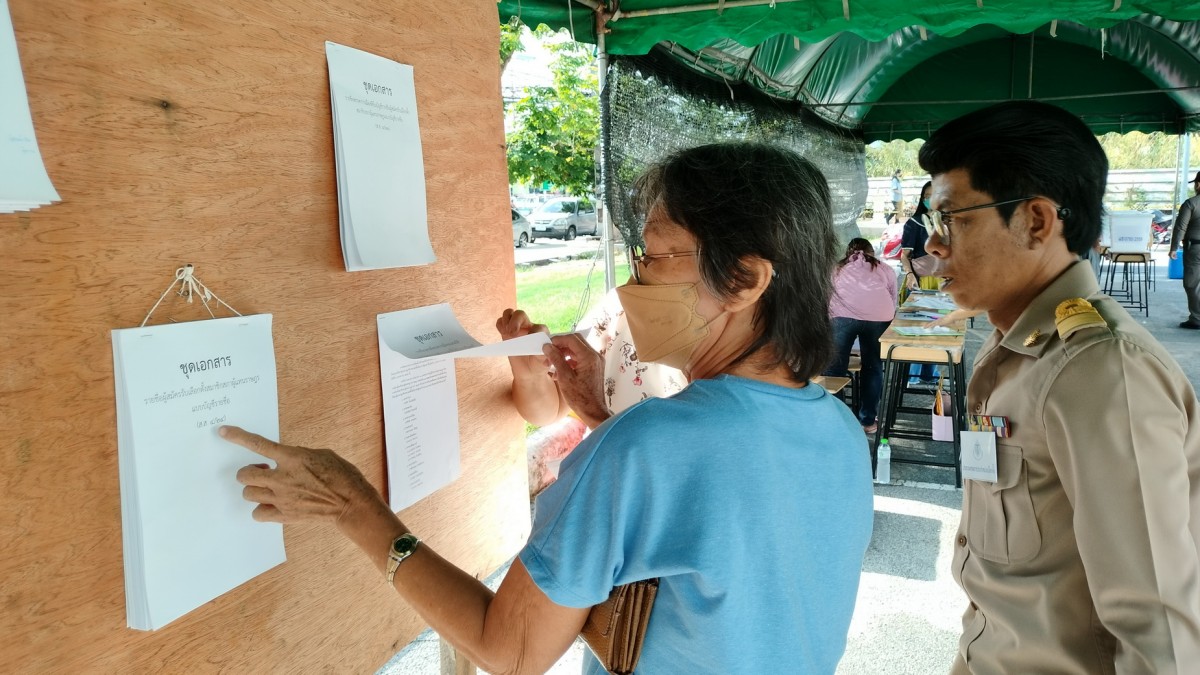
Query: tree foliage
[884,158]
[1136,150]
[510,41]
[555,129]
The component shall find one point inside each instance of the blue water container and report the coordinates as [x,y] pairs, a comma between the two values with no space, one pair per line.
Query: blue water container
[1175,267]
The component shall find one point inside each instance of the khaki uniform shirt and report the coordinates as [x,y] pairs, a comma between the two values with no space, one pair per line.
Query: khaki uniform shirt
[1187,223]
[1083,557]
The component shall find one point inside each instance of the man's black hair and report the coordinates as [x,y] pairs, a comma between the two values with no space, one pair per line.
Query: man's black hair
[1025,148]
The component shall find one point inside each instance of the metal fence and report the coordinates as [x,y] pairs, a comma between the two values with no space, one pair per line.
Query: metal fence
[1128,190]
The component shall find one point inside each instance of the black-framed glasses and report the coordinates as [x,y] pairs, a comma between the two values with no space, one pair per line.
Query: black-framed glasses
[638,258]
[939,222]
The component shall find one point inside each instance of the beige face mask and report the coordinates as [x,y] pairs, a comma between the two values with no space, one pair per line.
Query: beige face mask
[663,321]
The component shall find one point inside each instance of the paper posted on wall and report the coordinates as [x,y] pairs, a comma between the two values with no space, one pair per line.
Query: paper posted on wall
[188,536]
[417,348]
[380,170]
[24,184]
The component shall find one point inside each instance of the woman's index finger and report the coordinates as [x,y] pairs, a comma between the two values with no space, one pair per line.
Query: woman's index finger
[251,441]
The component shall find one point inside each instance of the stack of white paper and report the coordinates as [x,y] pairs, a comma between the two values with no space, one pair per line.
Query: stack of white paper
[380,172]
[188,534]
[24,184]
[417,348]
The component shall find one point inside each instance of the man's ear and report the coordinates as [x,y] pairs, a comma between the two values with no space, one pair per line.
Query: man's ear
[763,273]
[1044,223]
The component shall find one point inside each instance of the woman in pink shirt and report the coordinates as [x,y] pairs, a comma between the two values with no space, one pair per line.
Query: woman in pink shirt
[862,305]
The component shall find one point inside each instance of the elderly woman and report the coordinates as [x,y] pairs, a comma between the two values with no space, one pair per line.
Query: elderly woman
[748,494]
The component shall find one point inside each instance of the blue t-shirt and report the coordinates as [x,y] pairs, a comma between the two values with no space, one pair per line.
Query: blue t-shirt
[751,502]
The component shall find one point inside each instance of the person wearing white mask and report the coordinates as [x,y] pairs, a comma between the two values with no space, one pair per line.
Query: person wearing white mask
[747,495]
[912,245]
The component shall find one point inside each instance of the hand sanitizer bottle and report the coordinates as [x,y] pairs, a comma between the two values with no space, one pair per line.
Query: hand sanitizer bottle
[883,463]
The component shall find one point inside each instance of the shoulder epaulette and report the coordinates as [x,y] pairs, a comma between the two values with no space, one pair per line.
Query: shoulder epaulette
[1072,316]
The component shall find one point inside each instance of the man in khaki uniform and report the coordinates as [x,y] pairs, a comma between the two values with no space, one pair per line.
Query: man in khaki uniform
[1082,557]
[1187,233]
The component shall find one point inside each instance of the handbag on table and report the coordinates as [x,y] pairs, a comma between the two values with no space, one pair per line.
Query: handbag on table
[615,629]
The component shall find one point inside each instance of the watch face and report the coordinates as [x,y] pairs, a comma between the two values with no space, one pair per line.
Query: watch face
[404,545]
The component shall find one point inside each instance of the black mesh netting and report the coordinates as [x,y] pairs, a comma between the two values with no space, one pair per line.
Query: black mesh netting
[654,106]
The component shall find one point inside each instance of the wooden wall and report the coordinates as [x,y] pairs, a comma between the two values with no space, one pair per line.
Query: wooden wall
[180,131]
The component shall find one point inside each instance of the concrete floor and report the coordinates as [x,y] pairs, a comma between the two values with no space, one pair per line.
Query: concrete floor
[907,619]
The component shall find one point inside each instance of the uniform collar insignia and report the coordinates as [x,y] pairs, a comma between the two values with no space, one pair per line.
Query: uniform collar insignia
[1032,338]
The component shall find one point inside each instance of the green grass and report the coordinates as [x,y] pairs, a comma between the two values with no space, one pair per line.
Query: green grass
[550,294]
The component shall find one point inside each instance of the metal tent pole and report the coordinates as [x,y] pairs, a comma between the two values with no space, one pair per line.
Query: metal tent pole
[606,237]
[1185,150]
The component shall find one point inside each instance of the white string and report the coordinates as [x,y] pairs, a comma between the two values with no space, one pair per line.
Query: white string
[571,20]
[1103,39]
[1116,5]
[586,295]
[846,9]
[1054,28]
[189,284]
[924,33]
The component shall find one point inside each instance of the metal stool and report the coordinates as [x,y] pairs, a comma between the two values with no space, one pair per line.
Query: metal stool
[1133,288]
[895,386]
[852,394]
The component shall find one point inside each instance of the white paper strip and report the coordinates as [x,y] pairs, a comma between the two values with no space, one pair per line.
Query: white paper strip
[417,348]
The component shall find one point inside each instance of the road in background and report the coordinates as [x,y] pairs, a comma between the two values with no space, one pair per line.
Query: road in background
[548,249]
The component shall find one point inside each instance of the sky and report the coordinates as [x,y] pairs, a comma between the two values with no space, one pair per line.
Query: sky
[529,67]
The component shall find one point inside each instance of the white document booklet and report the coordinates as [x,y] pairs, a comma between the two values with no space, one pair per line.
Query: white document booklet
[24,184]
[417,348]
[188,535]
[380,170]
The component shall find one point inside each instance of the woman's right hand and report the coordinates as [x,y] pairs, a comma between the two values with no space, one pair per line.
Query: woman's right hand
[535,395]
[911,281]
[515,323]
[579,374]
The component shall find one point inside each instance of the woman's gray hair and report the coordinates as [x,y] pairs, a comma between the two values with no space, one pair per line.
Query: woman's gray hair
[742,200]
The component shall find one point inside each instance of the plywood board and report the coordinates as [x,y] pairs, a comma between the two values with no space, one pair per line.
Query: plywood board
[181,132]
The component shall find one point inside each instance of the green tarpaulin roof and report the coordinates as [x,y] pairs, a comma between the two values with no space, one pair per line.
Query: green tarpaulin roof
[900,69]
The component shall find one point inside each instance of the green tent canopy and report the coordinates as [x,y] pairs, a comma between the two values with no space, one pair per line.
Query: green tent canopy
[896,70]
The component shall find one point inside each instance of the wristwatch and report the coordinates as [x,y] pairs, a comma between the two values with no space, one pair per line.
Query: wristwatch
[402,547]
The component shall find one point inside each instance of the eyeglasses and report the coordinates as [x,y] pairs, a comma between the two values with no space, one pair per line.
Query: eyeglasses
[939,222]
[638,258]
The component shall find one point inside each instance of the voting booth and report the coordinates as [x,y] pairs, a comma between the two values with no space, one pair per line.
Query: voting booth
[1127,274]
[1127,231]
[200,133]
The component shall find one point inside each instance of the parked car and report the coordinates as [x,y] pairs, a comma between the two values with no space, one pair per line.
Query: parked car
[522,234]
[564,218]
